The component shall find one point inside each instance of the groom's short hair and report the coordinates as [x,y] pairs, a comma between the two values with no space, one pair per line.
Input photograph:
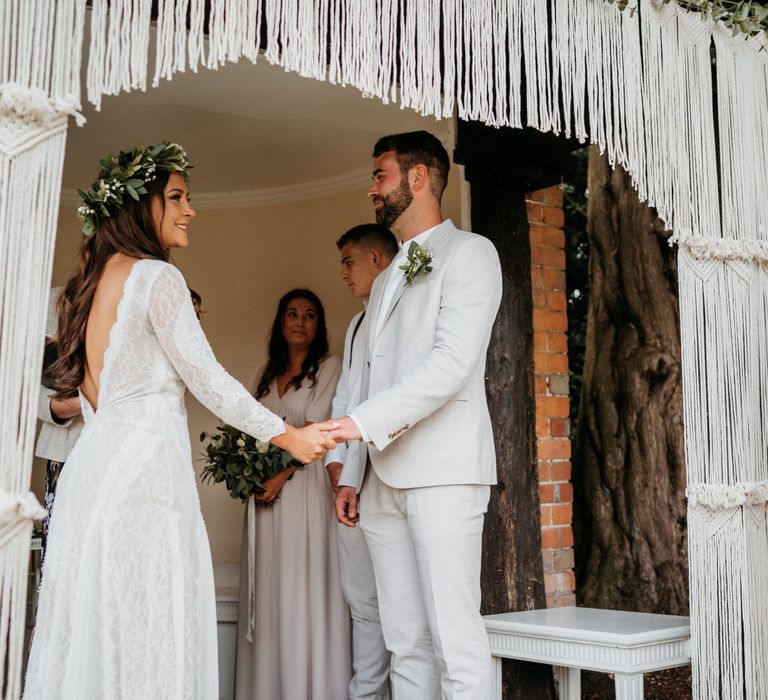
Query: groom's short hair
[418,147]
[371,236]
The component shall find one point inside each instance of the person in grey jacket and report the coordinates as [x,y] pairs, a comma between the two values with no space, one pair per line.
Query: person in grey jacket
[61,423]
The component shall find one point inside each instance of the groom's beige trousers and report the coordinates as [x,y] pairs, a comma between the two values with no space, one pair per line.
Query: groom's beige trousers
[425,544]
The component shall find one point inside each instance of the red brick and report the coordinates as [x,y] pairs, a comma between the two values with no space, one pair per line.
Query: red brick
[545,512]
[540,234]
[561,600]
[565,537]
[556,536]
[540,381]
[542,427]
[549,195]
[552,279]
[557,342]
[550,537]
[550,363]
[560,582]
[546,493]
[559,427]
[564,492]
[559,470]
[547,256]
[554,448]
[540,298]
[562,560]
[548,560]
[535,212]
[555,301]
[553,406]
[561,513]
[554,216]
[549,320]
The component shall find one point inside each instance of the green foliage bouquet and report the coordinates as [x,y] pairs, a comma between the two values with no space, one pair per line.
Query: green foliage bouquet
[242,462]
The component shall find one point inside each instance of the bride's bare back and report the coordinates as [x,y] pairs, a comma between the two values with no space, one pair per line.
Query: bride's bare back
[101,318]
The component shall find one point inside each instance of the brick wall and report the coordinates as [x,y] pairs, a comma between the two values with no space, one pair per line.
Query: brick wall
[550,323]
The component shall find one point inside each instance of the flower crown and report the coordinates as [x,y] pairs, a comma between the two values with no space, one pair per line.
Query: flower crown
[127,174]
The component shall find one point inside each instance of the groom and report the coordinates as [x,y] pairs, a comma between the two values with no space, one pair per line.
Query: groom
[426,432]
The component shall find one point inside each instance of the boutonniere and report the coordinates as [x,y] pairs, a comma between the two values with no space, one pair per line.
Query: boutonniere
[419,262]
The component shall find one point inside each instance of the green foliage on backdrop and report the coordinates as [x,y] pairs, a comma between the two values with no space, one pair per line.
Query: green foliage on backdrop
[748,17]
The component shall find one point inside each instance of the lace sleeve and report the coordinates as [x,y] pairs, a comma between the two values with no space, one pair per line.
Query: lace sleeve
[183,341]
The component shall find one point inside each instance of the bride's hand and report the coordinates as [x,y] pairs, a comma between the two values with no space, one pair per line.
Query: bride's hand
[306,444]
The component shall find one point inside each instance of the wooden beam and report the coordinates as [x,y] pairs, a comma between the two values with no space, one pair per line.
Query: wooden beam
[512,574]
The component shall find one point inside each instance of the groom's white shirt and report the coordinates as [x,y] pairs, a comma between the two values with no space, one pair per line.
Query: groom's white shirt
[427,418]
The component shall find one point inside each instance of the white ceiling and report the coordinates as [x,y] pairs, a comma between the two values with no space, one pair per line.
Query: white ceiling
[245,128]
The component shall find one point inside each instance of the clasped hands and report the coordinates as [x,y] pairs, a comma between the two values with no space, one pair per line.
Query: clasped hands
[310,443]
[313,440]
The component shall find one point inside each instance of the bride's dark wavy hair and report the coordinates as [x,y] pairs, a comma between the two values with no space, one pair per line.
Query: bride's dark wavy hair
[131,232]
[278,345]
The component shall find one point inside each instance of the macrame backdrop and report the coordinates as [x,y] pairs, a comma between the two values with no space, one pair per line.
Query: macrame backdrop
[39,89]
[640,84]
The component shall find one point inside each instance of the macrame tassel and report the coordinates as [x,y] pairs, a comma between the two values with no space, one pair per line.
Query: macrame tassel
[717,646]
[661,99]
[696,201]
[164,41]
[117,59]
[196,40]
[743,135]
[538,91]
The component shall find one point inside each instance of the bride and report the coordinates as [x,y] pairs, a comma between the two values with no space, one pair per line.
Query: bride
[127,603]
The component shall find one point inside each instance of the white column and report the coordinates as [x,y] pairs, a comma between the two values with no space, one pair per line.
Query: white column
[629,686]
[568,682]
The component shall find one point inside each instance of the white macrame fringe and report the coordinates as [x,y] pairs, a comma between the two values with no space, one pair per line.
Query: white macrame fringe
[39,89]
[723,287]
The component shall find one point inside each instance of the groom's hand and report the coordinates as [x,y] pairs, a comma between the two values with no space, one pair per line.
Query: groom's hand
[343,429]
[346,506]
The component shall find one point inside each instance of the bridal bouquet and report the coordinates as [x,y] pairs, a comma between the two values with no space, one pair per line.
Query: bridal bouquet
[242,462]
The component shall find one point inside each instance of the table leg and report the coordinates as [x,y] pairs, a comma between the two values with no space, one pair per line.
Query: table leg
[568,682]
[496,682]
[629,686]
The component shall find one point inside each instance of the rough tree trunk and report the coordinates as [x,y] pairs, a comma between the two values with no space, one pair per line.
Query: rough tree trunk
[629,470]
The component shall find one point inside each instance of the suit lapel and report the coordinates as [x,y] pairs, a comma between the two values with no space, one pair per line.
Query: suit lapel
[438,237]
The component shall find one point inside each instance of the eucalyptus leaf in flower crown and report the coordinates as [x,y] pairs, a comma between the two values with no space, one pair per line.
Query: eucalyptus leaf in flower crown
[242,462]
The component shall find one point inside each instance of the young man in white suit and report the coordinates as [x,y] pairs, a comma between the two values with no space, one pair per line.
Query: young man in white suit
[425,430]
[365,250]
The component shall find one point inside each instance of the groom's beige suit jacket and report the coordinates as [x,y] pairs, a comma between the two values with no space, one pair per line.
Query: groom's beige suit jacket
[422,389]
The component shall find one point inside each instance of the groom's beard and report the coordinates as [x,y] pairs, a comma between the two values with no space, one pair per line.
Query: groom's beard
[393,204]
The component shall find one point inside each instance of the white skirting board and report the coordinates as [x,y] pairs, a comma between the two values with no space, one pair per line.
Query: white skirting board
[226,577]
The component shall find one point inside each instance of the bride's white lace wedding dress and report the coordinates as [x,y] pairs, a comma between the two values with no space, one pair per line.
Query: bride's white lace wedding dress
[127,605]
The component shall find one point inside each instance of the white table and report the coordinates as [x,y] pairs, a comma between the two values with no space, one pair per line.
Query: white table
[626,644]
